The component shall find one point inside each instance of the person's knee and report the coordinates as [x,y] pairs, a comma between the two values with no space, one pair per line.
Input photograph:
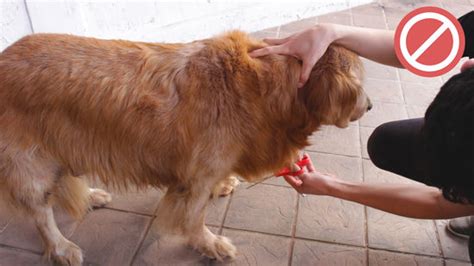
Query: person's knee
[377,145]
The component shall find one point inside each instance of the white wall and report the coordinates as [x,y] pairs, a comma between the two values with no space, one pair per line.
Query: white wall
[153,20]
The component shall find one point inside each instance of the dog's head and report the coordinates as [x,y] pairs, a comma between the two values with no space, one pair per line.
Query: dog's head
[333,94]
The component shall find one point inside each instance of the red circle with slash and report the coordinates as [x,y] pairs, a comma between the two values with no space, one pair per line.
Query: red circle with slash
[429,41]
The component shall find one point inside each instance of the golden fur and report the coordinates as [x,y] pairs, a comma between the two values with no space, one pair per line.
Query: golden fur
[185,117]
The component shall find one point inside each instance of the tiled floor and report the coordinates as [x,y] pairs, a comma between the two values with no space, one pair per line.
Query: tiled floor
[285,228]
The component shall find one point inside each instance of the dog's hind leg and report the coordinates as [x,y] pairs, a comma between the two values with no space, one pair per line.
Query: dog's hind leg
[30,181]
[182,211]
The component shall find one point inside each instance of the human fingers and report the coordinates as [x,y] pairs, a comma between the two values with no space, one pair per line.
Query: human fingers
[268,50]
[468,64]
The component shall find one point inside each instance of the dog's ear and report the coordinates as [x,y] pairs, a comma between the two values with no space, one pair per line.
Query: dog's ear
[333,88]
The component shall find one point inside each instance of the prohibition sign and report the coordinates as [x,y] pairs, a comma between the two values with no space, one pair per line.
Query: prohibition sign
[429,41]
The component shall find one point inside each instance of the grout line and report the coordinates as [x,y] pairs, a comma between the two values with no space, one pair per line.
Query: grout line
[126,211]
[438,238]
[28,15]
[142,239]
[324,152]
[147,231]
[20,249]
[366,227]
[293,230]
[227,207]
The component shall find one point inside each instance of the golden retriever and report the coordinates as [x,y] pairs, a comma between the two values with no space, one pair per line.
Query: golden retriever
[185,117]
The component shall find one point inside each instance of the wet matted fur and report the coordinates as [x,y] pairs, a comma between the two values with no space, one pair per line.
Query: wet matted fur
[184,117]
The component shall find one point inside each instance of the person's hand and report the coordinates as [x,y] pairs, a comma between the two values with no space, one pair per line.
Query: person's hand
[308,46]
[468,64]
[312,181]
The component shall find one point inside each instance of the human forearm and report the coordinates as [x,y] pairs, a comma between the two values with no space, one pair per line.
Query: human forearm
[410,200]
[373,44]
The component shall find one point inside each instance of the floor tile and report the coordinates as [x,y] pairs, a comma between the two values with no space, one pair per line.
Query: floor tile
[383,112]
[216,210]
[168,250]
[258,249]
[330,219]
[297,26]
[457,263]
[453,247]
[415,111]
[365,133]
[369,21]
[10,257]
[331,139]
[144,202]
[392,232]
[407,76]
[419,94]
[384,258]
[343,18]
[373,174]
[317,253]
[109,237]
[379,71]
[387,91]
[348,168]
[263,208]
[264,34]
[20,231]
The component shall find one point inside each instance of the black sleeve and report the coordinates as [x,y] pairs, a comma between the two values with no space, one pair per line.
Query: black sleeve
[467,23]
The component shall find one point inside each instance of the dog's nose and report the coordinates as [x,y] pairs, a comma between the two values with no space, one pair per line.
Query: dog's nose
[369,106]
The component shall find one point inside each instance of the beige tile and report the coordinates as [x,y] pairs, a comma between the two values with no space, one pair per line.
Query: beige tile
[365,133]
[298,25]
[393,20]
[453,247]
[457,8]
[20,231]
[331,219]
[264,34]
[343,18]
[258,249]
[385,258]
[144,202]
[216,210]
[457,263]
[419,94]
[369,9]
[373,174]
[387,91]
[392,232]
[348,168]
[335,140]
[17,257]
[263,208]
[383,112]
[168,250]
[379,71]
[415,111]
[110,237]
[369,21]
[276,180]
[317,253]
[407,76]
[454,71]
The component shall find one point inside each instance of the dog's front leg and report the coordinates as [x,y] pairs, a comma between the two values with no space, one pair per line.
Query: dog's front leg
[182,211]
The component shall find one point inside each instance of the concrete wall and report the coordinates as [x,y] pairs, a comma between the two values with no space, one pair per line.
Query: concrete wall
[153,20]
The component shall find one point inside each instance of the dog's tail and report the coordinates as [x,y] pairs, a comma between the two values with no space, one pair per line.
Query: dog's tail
[72,194]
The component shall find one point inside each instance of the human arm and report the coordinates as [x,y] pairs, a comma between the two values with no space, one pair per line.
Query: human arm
[309,45]
[413,200]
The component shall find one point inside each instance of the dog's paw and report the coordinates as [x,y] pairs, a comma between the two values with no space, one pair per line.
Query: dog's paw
[99,197]
[226,186]
[217,247]
[66,253]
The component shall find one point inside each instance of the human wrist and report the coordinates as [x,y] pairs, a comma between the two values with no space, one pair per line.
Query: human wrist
[327,30]
[339,188]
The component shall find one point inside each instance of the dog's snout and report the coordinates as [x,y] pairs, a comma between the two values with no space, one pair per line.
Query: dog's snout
[369,104]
